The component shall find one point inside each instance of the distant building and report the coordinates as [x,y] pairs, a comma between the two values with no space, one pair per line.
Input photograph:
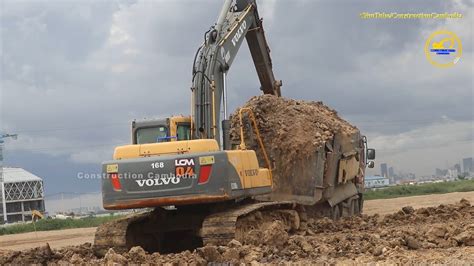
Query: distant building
[453,173]
[384,170]
[467,165]
[458,168]
[391,172]
[23,193]
[376,181]
[441,172]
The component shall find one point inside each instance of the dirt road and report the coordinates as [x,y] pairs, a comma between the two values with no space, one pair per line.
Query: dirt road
[386,206]
[61,238]
[56,239]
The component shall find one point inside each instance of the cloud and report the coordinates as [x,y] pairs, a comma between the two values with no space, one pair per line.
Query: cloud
[432,136]
[421,150]
[93,155]
[74,74]
[67,202]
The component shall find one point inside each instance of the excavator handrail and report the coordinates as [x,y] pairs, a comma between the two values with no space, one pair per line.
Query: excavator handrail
[260,142]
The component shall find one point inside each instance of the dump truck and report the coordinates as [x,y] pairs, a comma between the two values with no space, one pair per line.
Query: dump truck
[195,186]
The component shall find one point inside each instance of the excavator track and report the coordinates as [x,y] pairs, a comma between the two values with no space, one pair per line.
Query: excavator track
[114,234]
[217,228]
[188,228]
[220,228]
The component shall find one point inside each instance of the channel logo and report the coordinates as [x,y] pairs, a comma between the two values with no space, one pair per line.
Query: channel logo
[443,49]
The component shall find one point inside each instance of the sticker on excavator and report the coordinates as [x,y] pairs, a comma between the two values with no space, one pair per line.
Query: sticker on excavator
[251,172]
[206,160]
[112,168]
[184,168]
[185,172]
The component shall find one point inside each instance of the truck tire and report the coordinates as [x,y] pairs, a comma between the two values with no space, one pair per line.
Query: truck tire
[347,207]
[336,212]
[356,206]
[361,203]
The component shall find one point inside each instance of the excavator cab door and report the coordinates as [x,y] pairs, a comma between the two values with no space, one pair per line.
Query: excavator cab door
[183,131]
[180,128]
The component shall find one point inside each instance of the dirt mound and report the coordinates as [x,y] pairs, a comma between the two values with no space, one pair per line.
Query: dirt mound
[289,129]
[443,234]
[44,255]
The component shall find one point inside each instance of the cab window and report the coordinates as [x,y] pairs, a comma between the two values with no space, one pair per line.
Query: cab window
[183,131]
[152,135]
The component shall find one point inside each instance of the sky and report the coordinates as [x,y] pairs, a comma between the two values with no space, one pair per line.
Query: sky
[74,74]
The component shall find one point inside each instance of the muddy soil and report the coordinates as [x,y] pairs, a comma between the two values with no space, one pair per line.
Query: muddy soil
[291,130]
[443,234]
[78,236]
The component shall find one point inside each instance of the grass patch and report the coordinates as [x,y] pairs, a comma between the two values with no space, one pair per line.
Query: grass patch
[57,224]
[421,189]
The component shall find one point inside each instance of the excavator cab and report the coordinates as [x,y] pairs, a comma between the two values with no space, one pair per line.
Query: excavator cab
[175,128]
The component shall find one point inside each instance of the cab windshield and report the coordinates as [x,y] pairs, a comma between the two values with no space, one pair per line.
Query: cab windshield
[152,135]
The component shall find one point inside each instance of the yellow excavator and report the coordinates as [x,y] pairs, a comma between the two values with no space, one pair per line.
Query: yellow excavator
[199,184]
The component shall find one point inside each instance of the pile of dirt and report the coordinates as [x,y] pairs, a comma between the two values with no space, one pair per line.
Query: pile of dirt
[289,129]
[443,234]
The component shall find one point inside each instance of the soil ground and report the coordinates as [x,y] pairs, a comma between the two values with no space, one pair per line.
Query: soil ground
[385,234]
[56,239]
[386,206]
[68,237]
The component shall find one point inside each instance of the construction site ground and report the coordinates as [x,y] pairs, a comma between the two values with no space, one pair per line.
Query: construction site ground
[386,234]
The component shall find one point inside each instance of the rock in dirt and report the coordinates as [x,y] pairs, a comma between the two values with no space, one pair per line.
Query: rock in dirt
[231,255]
[438,231]
[302,243]
[408,210]
[465,202]
[112,257]
[46,250]
[275,234]
[465,238]
[254,237]
[210,253]
[412,243]
[234,244]
[254,254]
[378,251]
[137,254]
[76,259]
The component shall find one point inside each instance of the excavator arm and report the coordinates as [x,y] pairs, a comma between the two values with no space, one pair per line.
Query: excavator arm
[237,20]
[261,57]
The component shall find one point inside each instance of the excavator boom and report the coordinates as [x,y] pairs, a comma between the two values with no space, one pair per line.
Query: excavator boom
[214,59]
